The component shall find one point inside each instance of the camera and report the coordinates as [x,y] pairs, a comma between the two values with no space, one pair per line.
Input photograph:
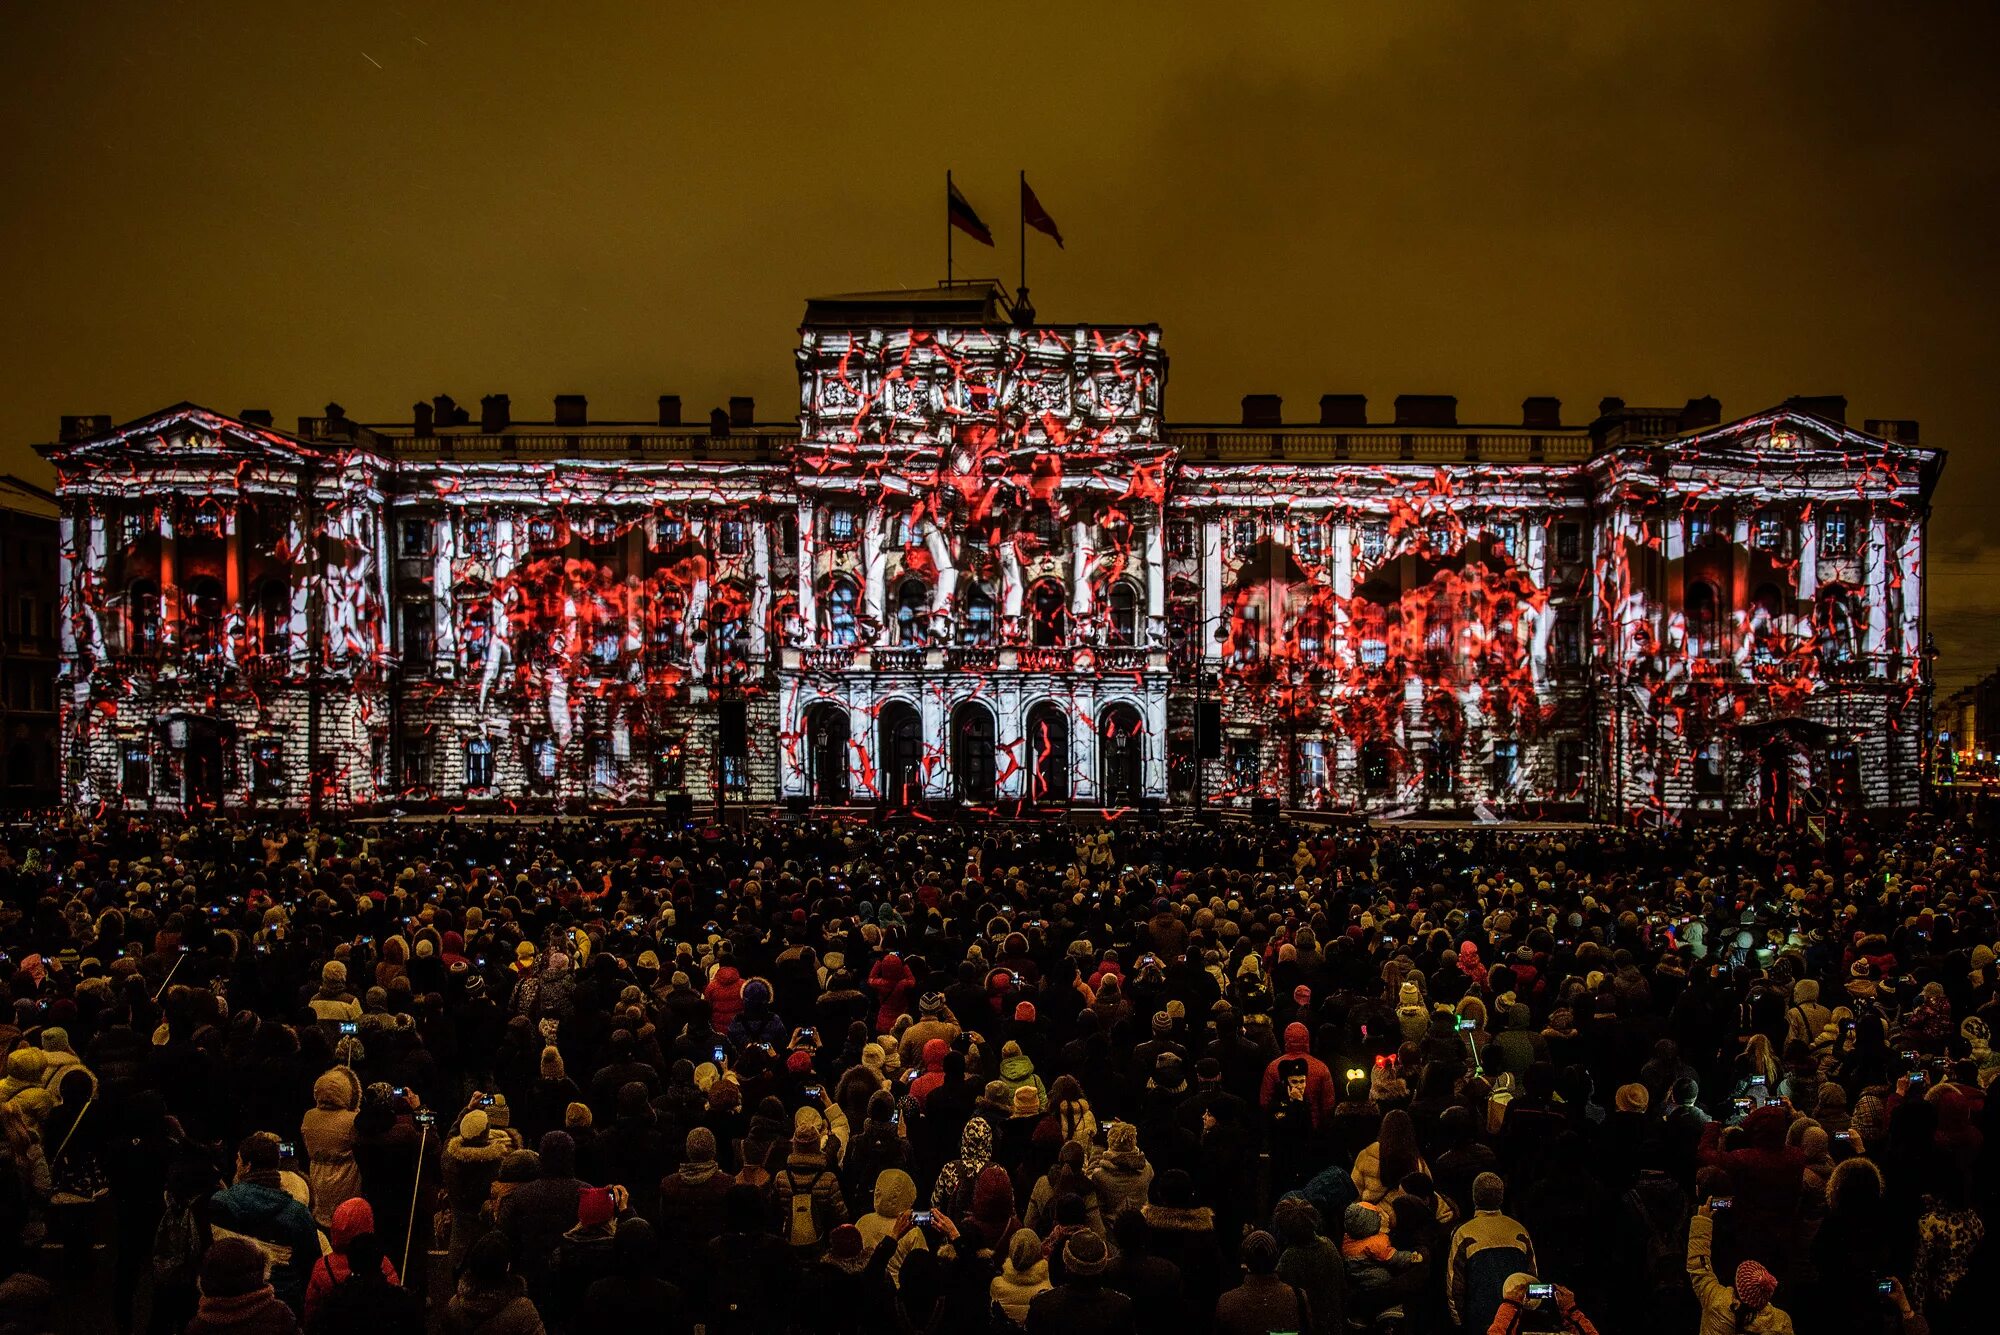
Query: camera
[287,1151]
[1722,1203]
[1541,1292]
[721,1053]
[921,1218]
[1885,1287]
[349,1027]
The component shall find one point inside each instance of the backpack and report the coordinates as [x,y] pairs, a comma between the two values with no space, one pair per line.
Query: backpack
[177,1245]
[802,1224]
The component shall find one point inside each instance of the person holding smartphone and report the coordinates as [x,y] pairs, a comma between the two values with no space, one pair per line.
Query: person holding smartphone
[1742,1306]
[1527,1303]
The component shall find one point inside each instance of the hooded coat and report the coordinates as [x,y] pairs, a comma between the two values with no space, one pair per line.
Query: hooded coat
[1320,1094]
[350,1221]
[725,997]
[327,1131]
[953,1190]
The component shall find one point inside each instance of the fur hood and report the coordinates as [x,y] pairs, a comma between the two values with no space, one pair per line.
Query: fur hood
[1181,1219]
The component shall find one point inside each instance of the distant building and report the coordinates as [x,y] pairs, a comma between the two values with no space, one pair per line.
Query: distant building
[28,646]
[981,565]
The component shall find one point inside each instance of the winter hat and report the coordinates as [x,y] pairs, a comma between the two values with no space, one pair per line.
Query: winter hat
[1259,1253]
[1027,1101]
[1361,1222]
[701,1145]
[1982,956]
[800,1062]
[932,1003]
[520,1166]
[872,1057]
[1121,1137]
[1632,1098]
[594,1207]
[498,1114]
[1409,995]
[1009,1049]
[1861,978]
[333,974]
[552,1063]
[1162,1022]
[232,1268]
[806,1139]
[1084,1253]
[525,952]
[1754,1285]
[577,1117]
[472,1128]
[1024,1013]
[845,1242]
[1302,996]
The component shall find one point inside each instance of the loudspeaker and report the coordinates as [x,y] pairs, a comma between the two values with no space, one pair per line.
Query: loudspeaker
[1208,729]
[1264,810]
[731,728]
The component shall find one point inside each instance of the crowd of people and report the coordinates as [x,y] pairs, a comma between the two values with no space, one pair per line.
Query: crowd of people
[513,1077]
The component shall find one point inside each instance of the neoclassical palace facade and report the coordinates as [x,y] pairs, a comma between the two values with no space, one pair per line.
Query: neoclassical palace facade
[980,566]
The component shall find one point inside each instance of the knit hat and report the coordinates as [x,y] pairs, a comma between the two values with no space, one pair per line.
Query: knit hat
[594,1207]
[1027,1101]
[520,1166]
[1361,1221]
[1982,956]
[552,1063]
[701,1145]
[577,1117]
[1024,1012]
[232,1268]
[1084,1253]
[1259,1253]
[1162,1022]
[1121,1136]
[1632,1098]
[931,1003]
[498,1114]
[1754,1284]
[800,1062]
[872,1057]
[525,952]
[806,1138]
[472,1127]
[1302,996]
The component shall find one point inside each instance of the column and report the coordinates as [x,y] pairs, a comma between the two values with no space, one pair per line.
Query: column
[1537,564]
[1910,576]
[1877,556]
[1211,588]
[233,620]
[808,559]
[697,608]
[1808,560]
[68,599]
[935,769]
[307,555]
[1343,590]
[1154,783]
[874,568]
[444,618]
[1156,582]
[1083,558]
[170,594]
[760,586]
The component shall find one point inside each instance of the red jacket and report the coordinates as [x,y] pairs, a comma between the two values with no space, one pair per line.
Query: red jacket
[351,1218]
[1320,1092]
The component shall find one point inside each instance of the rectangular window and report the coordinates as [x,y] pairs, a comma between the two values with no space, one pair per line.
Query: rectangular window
[1441,767]
[479,763]
[542,762]
[1243,537]
[842,524]
[729,537]
[267,767]
[1180,539]
[1708,769]
[544,533]
[670,769]
[418,536]
[476,537]
[1375,654]
[1374,540]
[1836,536]
[1246,773]
[416,761]
[1311,539]
[1569,541]
[1569,767]
[136,780]
[736,773]
[1375,767]
[601,765]
[1569,638]
[1700,531]
[1506,766]
[1508,535]
[419,638]
[1770,533]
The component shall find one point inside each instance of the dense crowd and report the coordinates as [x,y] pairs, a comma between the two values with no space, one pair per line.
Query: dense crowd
[567,1077]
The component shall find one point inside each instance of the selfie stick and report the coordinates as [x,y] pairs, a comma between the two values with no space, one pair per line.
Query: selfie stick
[168,981]
[416,1185]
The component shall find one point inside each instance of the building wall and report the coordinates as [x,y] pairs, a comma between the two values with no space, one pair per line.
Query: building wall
[28,612]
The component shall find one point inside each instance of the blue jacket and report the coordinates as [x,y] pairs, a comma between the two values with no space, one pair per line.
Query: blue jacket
[270,1216]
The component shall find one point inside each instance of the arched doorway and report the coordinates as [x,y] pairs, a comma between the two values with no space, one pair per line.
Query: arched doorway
[1048,753]
[826,753]
[200,748]
[1121,752]
[900,756]
[972,752]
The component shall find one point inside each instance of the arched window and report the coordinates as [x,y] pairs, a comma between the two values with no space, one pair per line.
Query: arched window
[1048,613]
[142,614]
[1701,606]
[1839,627]
[476,630]
[840,623]
[913,600]
[1124,627]
[977,627]
[204,616]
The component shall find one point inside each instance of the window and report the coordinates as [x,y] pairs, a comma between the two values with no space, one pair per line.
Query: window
[607,643]
[1843,773]
[788,535]
[913,598]
[601,767]
[1708,769]
[1375,654]
[205,522]
[1049,614]
[1700,531]
[1769,533]
[1374,540]
[601,532]
[1836,536]
[729,537]
[736,773]
[842,524]
[1569,541]
[267,767]
[1246,771]
[416,761]
[418,537]
[1375,768]
[1507,535]
[1506,766]
[1569,638]
[1124,626]
[544,533]
[1243,537]
[1180,539]
[476,629]
[1310,538]
[28,626]
[1569,766]
[1441,767]
[542,761]
[136,777]
[479,763]
[977,628]
[419,638]
[840,623]
[475,537]
[669,531]
[670,768]
[1703,614]
[1044,529]
[204,630]
[273,626]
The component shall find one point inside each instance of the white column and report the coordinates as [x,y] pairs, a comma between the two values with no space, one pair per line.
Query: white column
[444,617]
[1343,589]
[305,569]
[1084,741]
[1540,619]
[930,712]
[697,608]
[1909,565]
[1878,589]
[1010,741]
[808,559]
[67,599]
[1808,560]
[1084,557]
[760,585]
[1211,587]
[1155,772]
[874,568]
[1156,581]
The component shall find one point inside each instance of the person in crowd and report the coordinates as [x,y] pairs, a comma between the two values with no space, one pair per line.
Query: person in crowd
[1740,1307]
[491,1299]
[1485,1250]
[257,1207]
[236,1297]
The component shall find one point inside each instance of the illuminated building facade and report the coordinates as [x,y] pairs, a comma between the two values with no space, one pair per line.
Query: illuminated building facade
[980,566]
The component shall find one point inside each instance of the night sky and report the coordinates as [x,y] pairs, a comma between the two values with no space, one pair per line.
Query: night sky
[274,205]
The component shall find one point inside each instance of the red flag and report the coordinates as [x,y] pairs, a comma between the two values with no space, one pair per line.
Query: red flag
[960,215]
[1037,217]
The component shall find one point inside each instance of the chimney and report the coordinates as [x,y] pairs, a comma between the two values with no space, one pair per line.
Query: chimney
[1832,407]
[1343,410]
[1610,406]
[495,412]
[1426,410]
[255,416]
[1701,412]
[421,413]
[1902,430]
[718,422]
[670,410]
[1542,412]
[1263,410]
[742,410]
[85,426]
[572,410]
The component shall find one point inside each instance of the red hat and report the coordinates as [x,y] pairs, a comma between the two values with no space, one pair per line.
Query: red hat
[1024,1013]
[800,1062]
[594,1207]
[1754,1284]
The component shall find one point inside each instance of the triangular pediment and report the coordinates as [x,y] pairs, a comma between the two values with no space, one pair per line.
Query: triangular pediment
[1789,431]
[190,432]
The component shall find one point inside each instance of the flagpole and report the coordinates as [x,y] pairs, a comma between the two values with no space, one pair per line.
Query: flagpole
[947,227]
